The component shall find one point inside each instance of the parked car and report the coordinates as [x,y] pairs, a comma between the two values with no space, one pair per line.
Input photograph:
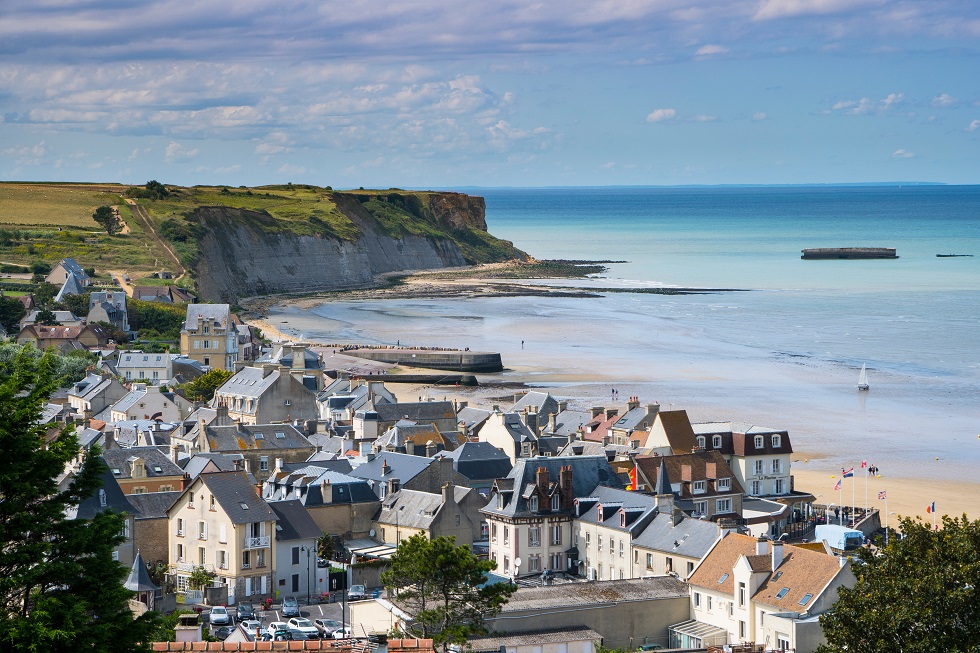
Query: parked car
[277,626]
[322,562]
[290,607]
[219,616]
[327,627]
[222,632]
[277,636]
[342,633]
[356,593]
[303,626]
[245,611]
[250,626]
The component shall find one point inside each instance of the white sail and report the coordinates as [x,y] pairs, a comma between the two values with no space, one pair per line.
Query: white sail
[863,378]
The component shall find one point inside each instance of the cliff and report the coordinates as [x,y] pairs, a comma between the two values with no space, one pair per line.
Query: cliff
[339,241]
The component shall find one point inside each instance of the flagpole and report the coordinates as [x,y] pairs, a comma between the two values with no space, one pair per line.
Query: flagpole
[866,492]
[853,500]
[886,520]
[840,502]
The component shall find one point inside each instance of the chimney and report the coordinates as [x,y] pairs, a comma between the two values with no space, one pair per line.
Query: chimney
[248,465]
[686,473]
[571,437]
[239,366]
[543,479]
[221,414]
[597,411]
[711,470]
[562,406]
[761,545]
[565,486]
[496,408]
[185,481]
[448,495]
[394,485]
[777,554]
[518,396]
[278,467]
[299,358]
[634,402]
[605,440]
[611,412]
[727,525]
[268,368]
[531,419]
[326,491]
[552,423]
[385,467]
[174,451]
[676,516]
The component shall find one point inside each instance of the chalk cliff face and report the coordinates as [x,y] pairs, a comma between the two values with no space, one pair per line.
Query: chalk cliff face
[243,253]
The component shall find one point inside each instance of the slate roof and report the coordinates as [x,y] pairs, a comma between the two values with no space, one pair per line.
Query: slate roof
[235,493]
[692,538]
[220,313]
[133,359]
[568,422]
[284,356]
[602,592]
[72,266]
[403,466]
[71,286]
[640,509]
[546,404]
[417,411]
[632,418]
[242,437]
[692,467]
[338,465]
[65,318]
[293,522]
[115,500]
[802,571]
[588,472]
[249,381]
[479,461]
[738,438]
[225,462]
[399,435]
[157,462]
[473,417]
[139,578]
[153,505]
[313,482]
[516,428]
[413,509]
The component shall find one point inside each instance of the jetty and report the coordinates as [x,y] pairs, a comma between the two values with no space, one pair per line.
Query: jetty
[436,359]
[849,253]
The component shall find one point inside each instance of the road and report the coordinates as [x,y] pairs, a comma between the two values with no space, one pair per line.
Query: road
[139,213]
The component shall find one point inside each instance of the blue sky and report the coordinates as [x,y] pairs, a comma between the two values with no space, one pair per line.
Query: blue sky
[442,93]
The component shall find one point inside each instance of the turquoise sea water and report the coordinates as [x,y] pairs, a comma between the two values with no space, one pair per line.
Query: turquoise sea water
[785,354]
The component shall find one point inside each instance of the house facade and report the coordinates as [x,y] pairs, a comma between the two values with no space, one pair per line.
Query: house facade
[702,481]
[209,336]
[269,394]
[153,368]
[65,268]
[150,402]
[109,306]
[454,512]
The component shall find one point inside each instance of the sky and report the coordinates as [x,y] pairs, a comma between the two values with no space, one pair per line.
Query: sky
[443,93]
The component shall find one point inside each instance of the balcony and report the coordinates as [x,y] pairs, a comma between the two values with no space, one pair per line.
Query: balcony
[190,566]
[256,542]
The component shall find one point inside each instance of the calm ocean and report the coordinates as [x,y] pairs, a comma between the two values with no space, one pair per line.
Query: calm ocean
[784,355]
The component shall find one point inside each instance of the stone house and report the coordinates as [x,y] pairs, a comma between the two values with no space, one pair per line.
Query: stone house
[153,368]
[260,445]
[606,523]
[140,470]
[339,504]
[60,273]
[63,338]
[371,422]
[109,496]
[454,512]
[109,306]
[702,481]
[268,394]
[390,471]
[152,525]
[297,573]
[95,393]
[210,336]
[150,402]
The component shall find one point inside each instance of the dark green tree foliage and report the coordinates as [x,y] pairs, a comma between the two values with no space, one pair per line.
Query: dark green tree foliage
[60,589]
[442,585]
[67,369]
[47,318]
[44,293]
[11,313]
[202,388]
[108,219]
[77,304]
[156,319]
[920,596]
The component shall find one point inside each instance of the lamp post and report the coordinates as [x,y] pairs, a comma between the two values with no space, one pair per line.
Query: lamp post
[309,552]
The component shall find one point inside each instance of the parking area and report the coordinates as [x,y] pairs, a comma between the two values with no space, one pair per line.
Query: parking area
[265,617]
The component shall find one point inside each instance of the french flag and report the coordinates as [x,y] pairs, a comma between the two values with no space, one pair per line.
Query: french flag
[931,507]
[847,473]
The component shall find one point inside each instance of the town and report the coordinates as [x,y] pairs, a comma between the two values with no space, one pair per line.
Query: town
[287,489]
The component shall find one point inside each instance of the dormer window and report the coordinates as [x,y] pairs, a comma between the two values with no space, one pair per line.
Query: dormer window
[556,502]
[622,519]
[700,487]
[700,442]
[760,442]
[724,483]
[500,500]
[533,504]
[600,515]
[776,441]
[716,442]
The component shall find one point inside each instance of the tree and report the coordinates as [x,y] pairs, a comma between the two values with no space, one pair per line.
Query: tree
[202,388]
[921,594]
[11,313]
[44,293]
[108,219]
[60,589]
[445,588]
[200,577]
[47,318]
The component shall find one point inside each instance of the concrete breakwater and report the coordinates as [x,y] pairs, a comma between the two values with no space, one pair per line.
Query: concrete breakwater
[849,253]
[437,359]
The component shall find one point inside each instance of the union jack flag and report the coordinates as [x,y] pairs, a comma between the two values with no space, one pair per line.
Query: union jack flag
[882,495]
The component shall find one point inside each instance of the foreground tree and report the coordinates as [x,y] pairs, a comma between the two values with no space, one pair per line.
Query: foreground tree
[920,595]
[445,588]
[202,388]
[11,313]
[60,589]
[107,219]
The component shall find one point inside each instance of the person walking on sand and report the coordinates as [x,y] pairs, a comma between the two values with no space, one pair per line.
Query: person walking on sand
[522,344]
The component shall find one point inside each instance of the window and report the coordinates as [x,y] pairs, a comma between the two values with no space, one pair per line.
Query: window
[556,535]
[207,361]
[506,564]
[760,442]
[180,527]
[649,561]
[190,500]
[760,467]
[708,605]
[556,501]
[526,449]
[533,503]
[484,530]
[280,435]
[296,553]
[115,556]
[259,436]
[775,441]
[612,545]
[598,545]
[222,559]
[156,375]
[621,554]
[493,532]
[534,536]
[246,559]
[741,596]
[202,556]
[212,502]
[741,630]
[701,507]
[457,517]
[700,442]
[722,579]
[557,561]
[207,329]
[506,534]
[782,593]
[756,488]
[716,442]
[723,505]
[588,540]
[534,563]
[724,483]
[197,344]
[690,568]
[125,529]
[221,534]
[776,466]
[264,463]
[782,642]
[699,487]
[779,486]
[129,375]
[697,599]
[669,564]
[806,599]
[202,530]
[207,344]
[295,583]
[260,557]
[180,553]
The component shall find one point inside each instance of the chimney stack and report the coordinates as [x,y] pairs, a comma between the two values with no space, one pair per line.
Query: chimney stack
[394,485]
[552,423]
[385,467]
[448,495]
[634,402]
[777,554]
[597,410]
[761,545]
[565,486]
[543,479]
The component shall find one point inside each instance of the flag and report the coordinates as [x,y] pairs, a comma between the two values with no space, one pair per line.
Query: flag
[633,478]
[847,473]
[882,495]
[837,487]
[864,463]
[931,507]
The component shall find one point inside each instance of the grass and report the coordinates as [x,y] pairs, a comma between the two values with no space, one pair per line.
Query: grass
[50,205]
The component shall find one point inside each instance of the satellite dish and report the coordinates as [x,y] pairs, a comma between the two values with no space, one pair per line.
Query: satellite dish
[517,562]
[372,532]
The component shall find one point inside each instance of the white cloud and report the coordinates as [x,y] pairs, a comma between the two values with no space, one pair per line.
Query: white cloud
[711,49]
[703,118]
[866,106]
[943,100]
[759,116]
[770,9]
[177,152]
[660,115]
[26,155]
[902,153]
[973,126]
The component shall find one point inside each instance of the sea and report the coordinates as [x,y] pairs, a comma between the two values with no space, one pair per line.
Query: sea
[779,343]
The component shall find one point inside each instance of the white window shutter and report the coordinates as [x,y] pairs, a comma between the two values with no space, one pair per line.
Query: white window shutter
[221,533]
[265,588]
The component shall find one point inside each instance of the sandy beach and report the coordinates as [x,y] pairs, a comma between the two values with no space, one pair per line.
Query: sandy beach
[711,381]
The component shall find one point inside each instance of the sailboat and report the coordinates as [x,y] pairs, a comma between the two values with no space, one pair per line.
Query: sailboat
[863,378]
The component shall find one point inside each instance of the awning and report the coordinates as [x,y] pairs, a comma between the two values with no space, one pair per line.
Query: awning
[365,548]
[707,634]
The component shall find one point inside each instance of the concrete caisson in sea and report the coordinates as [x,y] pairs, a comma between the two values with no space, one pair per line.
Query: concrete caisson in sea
[849,253]
[436,359]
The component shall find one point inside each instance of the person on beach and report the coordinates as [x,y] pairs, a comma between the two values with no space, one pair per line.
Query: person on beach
[522,344]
